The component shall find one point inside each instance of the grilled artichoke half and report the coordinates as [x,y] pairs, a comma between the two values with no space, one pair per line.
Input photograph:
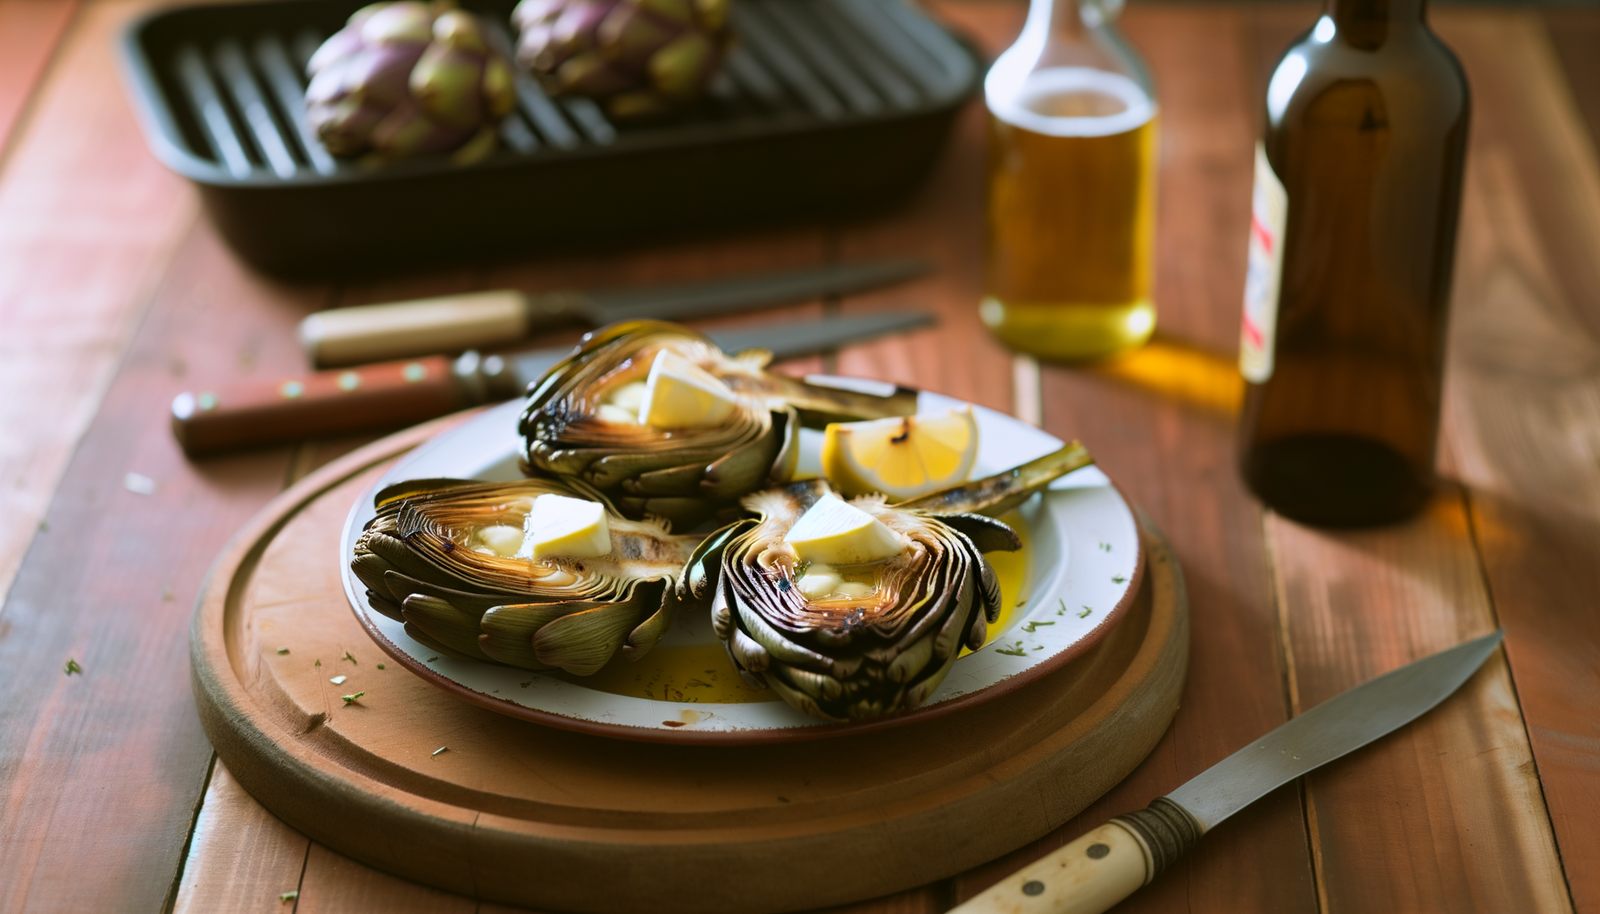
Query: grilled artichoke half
[428,561]
[883,648]
[684,475]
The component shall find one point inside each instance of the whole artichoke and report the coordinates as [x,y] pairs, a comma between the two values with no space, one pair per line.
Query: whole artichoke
[426,561]
[684,475]
[883,642]
[642,58]
[409,78]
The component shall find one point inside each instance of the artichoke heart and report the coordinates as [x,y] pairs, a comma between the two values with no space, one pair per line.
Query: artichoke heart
[583,423]
[451,560]
[855,642]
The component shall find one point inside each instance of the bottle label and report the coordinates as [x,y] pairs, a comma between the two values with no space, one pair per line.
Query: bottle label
[1269,212]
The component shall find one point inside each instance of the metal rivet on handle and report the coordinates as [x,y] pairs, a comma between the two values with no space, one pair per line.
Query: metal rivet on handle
[1096,851]
[349,381]
[415,372]
[292,389]
[1033,887]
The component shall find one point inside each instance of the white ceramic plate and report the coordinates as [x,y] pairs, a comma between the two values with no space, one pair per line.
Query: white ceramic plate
[1083,566]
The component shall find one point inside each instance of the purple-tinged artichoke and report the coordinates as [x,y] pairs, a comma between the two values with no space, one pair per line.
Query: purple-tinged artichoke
[409,78]
[641,58]
[856,642]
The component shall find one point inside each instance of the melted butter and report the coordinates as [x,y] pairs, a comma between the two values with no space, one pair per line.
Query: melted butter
[703,674]
[700,673]
[1011,568]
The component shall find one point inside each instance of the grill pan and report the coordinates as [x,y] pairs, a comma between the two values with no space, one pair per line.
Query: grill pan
[824,108]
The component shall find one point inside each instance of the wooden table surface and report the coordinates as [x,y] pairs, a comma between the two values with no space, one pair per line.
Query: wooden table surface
[116,293]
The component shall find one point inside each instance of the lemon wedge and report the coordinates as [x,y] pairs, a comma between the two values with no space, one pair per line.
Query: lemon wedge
[902,458]
[681,394]
[835,533]
[566,527]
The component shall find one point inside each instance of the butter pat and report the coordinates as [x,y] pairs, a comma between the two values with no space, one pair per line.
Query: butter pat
[501,540]
[681,394]
[836,533]
[566,528]
[629,396]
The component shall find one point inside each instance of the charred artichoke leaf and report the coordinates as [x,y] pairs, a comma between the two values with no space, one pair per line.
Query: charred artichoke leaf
[576,427]
[997,494]
[436,557]
[988,534]
[428,641]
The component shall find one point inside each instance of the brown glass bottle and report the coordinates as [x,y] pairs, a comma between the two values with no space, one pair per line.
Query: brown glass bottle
[1366,131]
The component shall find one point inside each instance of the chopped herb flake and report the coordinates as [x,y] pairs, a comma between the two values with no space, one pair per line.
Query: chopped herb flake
[1063,610]
[71,667]
[1014,650]
[351,699]
[526,684]
[1032,627]
[288,896]
[337,680]
[318,663]
[441,749]
[1118,579]
[380,666]
[433,658]
[348,657]
[1105,547]
[1086,611]
[283,650]
[44,527]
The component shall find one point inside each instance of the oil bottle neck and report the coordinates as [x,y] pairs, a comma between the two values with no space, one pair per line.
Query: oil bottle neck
[1368,24]
[1068,19]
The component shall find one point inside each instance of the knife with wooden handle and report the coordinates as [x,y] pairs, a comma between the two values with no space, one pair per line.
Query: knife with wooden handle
[486,320]
[393,394]
[1109,863]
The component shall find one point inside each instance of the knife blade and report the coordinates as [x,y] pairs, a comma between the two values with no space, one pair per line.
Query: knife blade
[1108,863]
[393,394]
[481,320]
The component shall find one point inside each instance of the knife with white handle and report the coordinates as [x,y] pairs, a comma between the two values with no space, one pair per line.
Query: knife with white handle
[1106,865]
[486,320]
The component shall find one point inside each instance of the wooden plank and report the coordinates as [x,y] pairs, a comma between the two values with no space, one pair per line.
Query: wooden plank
[1173,456]
[1575,34]
[1445,814]
[87,220]
[335,884]
[1522,401]
[29,33]
[100,774]
[241,858]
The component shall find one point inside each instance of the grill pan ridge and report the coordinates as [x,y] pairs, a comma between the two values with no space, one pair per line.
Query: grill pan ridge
[824,108]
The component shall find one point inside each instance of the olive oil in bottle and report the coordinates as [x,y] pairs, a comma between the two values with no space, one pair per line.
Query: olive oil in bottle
[1072,158]
[1352,239]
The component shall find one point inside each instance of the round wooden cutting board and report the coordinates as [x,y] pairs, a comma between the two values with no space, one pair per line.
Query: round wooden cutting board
[523,814]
